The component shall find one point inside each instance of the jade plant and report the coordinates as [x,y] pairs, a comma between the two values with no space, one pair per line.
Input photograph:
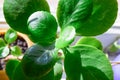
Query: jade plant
[7,44]
[52,50]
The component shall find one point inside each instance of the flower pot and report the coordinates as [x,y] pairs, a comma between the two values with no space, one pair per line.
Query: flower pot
[3,75]
[28,41]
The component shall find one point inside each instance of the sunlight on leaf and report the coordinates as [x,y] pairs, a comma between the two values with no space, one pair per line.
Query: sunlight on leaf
[4,51]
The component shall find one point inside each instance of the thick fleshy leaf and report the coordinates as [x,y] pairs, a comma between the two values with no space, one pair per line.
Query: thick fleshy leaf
[4,51]
[67,36]
[16,12]
[89,17]
[10,67]
[39,60]
[49,76]
[42,27]
[58,70]
[10,36]
[87,62]
[2,43]
[19,74]
[73,10]
[90,41]
[16,51]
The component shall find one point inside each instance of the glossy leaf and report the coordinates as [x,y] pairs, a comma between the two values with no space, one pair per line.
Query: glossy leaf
[4,51]
[49,76]
[19,74]
[38,61]
[16,12]
[10,36]
[16,51]
[58,70]
[55,73]
[90,41]
[73,10]
[89,17]
[15,72]
[2,43]
[67,36]
[10,67]
[87,62]
[42,27]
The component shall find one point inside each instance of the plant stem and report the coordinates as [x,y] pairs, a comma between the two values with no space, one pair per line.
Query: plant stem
[115,62]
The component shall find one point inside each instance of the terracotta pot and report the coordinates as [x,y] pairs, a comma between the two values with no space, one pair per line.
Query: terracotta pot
[3,75]
[29,42]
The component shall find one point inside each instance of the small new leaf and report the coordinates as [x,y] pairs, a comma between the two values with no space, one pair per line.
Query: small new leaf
[67,36]
[58,70]
[2,43]
[10,36]
[16,51]
[4,51]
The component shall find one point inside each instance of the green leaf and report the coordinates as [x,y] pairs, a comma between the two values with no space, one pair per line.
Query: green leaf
[10,36]
[89,17]
[58,70]
[73,10]
[38,60]
[4,51]
[90,41]
[10,67]
[19,74]
[87,62]
[16,12]
[2,43]
[42,27]
[16,51]
[49,76]
[14,70]
[67,36]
